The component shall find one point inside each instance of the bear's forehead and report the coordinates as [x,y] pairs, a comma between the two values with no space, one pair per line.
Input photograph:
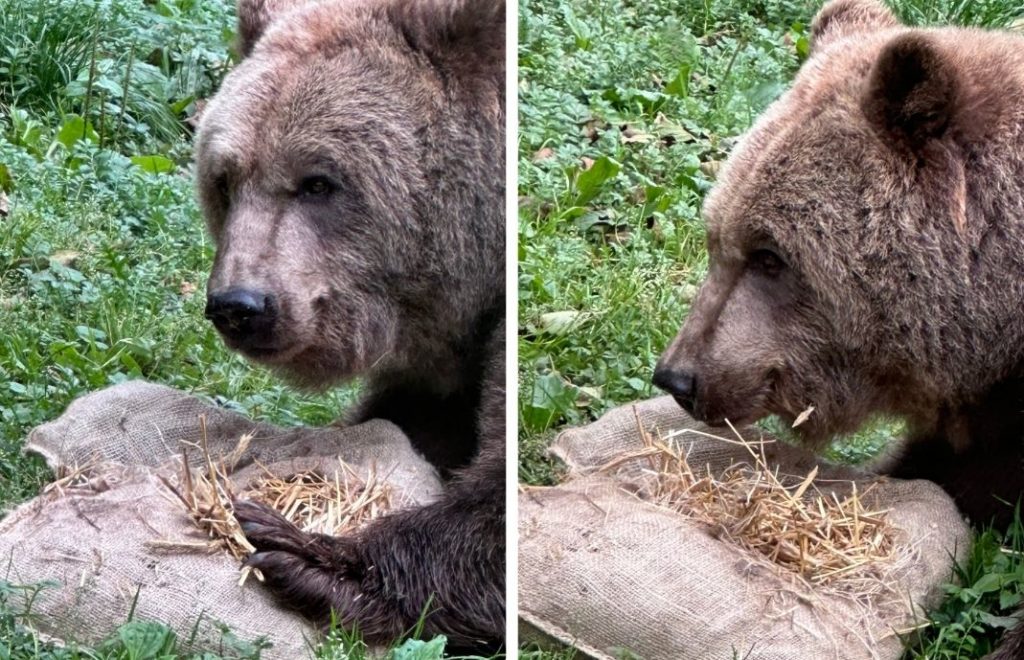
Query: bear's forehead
[812,139]
[301,110]
[323,30]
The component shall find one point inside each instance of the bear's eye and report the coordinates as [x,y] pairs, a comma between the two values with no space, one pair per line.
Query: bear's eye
[766,262]
[315,186]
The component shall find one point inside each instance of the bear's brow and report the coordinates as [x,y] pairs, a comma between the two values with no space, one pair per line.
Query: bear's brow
[313,161]
[223,163]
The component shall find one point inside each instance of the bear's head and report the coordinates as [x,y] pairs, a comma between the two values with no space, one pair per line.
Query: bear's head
[339,171]
[851,238]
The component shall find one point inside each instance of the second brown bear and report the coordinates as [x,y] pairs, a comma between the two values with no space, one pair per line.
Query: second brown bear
[866,246]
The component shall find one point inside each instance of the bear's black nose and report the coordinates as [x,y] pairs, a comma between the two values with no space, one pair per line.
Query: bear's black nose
[681,384]
[245,316]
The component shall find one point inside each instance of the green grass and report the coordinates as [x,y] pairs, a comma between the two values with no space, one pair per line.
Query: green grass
[103,261]
[149,640]
[654,94]
[626,109]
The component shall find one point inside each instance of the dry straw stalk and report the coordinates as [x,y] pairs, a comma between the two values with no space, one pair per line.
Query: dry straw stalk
[821,536]
[313,501]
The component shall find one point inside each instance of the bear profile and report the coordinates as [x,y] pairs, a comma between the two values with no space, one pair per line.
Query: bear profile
[351,172]
[866,257]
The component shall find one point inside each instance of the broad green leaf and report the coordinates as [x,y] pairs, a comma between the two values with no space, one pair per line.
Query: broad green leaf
[998,621]
[803,46]
[589,182]
[987,583]
[179,107]
[145,639]
[417,649]
[74,129]
[1008,599]
[6,180]
[551,398]
[154,164]
[680,85]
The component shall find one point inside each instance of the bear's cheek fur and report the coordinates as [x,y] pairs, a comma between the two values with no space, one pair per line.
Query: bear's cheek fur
[760,347]
[733,347]
[329,323]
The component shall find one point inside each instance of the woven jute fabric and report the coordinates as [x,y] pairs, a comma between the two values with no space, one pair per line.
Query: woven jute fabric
[613,575]
[94,541]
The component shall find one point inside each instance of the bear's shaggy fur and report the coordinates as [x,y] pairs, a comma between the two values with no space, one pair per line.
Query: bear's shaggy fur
[351,170]
[866,246]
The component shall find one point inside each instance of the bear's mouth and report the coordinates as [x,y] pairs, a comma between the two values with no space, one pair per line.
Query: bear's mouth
[774,400]
[736,421]
[736,417]
[757,406]
[270,355]
[793,408]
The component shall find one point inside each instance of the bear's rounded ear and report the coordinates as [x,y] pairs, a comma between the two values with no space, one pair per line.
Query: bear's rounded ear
[913,92]
[255,16]
[467,34]
[843,18]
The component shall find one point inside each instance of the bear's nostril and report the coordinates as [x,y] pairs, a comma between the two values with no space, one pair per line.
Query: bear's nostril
[241,313]
[681,384]
[237,304]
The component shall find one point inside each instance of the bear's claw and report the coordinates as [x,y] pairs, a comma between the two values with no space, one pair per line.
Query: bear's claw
[310,573]
[267,529]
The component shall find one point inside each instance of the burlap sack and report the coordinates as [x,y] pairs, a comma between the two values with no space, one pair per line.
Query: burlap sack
[615,576]
[93,540]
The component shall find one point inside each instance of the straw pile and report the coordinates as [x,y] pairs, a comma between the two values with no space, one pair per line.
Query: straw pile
[312,501]
[823,538]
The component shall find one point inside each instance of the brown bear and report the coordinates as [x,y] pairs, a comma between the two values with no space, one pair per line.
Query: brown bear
[866,256]
[351,171]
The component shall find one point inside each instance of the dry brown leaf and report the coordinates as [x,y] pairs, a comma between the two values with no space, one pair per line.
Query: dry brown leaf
[593,127]
[803,417]
[66,258]
[711,168]
[630,135]
[543,154]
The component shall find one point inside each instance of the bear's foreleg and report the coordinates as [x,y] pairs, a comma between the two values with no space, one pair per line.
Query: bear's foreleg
[443,562]
[1011,647]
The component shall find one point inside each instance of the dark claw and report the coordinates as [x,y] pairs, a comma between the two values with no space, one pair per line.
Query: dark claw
[363,580]
[248,511]
[255,529]
[258,560]
[270,560]
[266,529]
[299,568]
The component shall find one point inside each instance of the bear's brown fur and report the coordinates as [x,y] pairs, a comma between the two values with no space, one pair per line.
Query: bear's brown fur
[351,170]
[866,249]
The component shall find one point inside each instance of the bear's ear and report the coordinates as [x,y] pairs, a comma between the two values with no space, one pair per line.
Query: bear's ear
[255,16]
[466,34]
[912,93]
[844,18]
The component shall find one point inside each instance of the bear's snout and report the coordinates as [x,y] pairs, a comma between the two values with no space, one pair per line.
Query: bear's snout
[680,383]
[245,317]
